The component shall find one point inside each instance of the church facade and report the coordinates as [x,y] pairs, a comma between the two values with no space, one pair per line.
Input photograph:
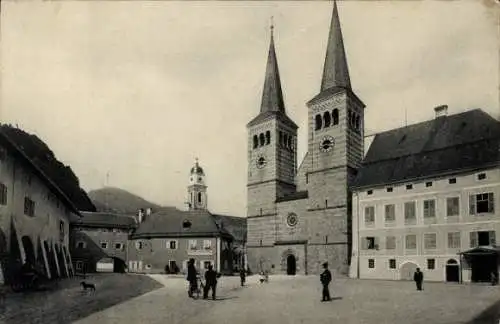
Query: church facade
[300,217]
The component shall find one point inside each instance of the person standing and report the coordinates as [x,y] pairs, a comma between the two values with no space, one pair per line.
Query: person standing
[242,276]
[419,278]
[192,278]
[326,278]
[210,282]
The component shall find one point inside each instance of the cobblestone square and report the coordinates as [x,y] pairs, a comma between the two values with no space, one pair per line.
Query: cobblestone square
[297,300]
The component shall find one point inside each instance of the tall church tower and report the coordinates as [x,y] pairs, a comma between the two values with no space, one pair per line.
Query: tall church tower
[197,190]
[335,143]
[272,141]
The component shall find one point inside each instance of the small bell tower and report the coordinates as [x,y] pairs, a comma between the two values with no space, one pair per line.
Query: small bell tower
[197,190]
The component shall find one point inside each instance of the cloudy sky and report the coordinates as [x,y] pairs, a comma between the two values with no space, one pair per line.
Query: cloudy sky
[139,89]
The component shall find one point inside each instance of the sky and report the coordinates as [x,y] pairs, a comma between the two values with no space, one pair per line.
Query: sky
[140,89]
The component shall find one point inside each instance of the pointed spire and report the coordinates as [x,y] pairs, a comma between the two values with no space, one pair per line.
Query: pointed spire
[272,96]
[335,71]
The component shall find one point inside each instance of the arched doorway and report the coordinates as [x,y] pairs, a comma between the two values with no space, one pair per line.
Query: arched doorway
[291,265]
[118,265]
[452,271]
[29,250]
[407,270]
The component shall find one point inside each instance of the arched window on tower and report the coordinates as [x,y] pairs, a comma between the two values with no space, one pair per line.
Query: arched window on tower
[255,141]
[285,140]
[318,122]
[353,120]
[290,142]
[327,118]
[357,123]
[268,137]
[335,116]
[199,197]
[262,139]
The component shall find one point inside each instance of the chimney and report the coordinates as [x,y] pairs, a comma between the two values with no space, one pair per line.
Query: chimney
[441,111]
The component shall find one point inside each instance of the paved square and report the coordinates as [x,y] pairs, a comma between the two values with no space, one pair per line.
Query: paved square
[297,300]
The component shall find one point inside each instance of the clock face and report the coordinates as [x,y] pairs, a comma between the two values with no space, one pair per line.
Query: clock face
[261,161]
[326,144]
[291,220]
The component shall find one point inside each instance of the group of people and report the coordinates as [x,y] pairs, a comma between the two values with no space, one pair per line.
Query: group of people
[210,280]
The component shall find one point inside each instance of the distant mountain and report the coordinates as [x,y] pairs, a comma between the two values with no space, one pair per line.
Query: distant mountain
[120,201]
[42,156]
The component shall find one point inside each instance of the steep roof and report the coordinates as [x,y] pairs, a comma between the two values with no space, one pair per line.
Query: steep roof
[444,145]
[272,104]
[15,150]
[335,70]
[169,223]
[106,219]
[272,95]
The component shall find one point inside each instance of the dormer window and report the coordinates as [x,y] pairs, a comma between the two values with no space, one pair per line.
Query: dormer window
[186,224]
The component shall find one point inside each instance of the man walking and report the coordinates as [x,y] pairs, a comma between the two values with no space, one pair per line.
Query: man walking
[326,278]
[192,278]
[242,276]
[418,277]
[210,282]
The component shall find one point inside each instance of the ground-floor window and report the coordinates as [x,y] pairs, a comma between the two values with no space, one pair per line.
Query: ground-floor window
[79,265]
[392,263]
[371,263]
[431,264]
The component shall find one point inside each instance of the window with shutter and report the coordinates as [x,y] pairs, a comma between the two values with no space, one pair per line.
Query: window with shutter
[390,243]
[452,206]
[492,235]
[364,243]
[473,239]
[411,242]
[472,204]
[429,209]
[491,203]
[390,214]
[409,211]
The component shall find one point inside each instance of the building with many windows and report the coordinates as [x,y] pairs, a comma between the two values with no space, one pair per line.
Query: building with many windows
[166,239]
[99,241]
[428,196]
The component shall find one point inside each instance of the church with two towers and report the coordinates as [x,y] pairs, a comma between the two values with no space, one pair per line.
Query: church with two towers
[299,217]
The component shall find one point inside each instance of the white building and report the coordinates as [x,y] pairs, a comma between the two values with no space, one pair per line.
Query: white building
[425,194]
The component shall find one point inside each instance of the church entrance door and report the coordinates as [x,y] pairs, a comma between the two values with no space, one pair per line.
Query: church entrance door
[291,265]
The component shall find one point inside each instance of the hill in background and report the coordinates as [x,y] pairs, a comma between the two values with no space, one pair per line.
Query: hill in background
[120,201]
[42,156]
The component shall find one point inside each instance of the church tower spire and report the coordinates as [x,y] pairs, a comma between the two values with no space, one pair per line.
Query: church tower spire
[335,71]
[197,190]
[272,96]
